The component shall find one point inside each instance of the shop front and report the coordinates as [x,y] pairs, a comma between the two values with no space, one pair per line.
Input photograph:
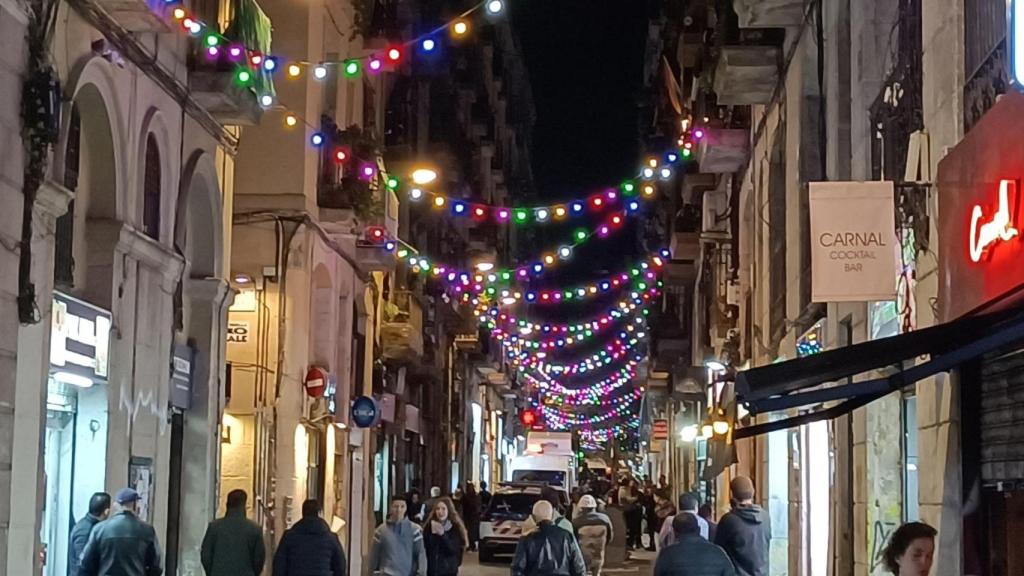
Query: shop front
[982,271]
[75,443]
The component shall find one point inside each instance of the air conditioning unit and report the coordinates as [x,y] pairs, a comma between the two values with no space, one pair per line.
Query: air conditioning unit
[715,218]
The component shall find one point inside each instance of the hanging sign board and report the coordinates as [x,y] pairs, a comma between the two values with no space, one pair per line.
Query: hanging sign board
[853,241]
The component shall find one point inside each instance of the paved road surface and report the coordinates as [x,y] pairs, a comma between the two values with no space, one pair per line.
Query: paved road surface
[472,567]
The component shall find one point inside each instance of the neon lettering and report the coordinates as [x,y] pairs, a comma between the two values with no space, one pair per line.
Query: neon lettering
[999,228]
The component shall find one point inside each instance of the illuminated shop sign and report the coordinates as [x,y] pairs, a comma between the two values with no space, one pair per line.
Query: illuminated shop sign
[79,341]
[988,229]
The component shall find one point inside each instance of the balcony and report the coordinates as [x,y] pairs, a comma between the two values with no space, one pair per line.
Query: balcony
[769,13]
[213,79]
[723,150]
[138,15]
[353,188]
[401,333]
[746,75]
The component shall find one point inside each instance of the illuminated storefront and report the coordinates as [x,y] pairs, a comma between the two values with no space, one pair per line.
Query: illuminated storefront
[76,421]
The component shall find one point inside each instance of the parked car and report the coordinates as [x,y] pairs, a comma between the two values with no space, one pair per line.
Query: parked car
[501,524]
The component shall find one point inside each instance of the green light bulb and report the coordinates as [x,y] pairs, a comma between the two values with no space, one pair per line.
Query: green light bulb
[212,40]
[352,68]
[244,76]
[580,235]
[521,215]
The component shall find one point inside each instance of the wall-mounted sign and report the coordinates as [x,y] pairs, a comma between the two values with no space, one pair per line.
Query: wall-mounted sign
[660,429]
[365,412]
[79,339]
[853,241]
[238,332]
[980,249]
[315,382]
[181,377]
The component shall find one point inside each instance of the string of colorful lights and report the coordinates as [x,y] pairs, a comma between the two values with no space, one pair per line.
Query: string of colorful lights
[510,323]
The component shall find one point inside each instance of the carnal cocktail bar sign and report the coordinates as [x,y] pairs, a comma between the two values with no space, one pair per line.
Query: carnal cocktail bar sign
[853,241]
[981,250]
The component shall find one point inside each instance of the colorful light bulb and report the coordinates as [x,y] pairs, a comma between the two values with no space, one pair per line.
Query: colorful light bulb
[291,120]
[320,71]
[460,28]
[352,68]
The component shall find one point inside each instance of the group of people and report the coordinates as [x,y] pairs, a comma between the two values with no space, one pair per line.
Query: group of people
[690,543]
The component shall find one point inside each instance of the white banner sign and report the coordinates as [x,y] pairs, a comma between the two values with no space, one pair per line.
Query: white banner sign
[853,241]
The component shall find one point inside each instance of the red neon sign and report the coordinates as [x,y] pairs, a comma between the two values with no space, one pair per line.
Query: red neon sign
[998,228]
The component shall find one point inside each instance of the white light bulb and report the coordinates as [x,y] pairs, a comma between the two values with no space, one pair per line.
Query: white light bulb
[495,7]
[320,72]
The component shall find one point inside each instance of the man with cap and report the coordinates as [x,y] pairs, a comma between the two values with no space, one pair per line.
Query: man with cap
[688,504]
[549,550]
[744,532]
[692,555]
[123,544]
[593,531]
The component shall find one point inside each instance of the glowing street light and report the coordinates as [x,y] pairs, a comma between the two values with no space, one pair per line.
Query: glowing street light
[424,176]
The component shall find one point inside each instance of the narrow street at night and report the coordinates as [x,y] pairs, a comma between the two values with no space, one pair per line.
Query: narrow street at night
[511,287]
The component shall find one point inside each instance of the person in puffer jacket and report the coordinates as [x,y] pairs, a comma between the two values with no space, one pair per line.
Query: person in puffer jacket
[593,531]
[309,548]
[549,551]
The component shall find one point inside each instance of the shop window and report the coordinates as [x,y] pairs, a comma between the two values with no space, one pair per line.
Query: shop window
[151,190]
[910,491]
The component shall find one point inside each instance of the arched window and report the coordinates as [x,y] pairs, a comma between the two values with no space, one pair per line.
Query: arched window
[63,254]
[151,190]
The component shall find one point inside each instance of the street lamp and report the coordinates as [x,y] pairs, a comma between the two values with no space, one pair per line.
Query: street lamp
[688,433]
[715,365]
[424,176]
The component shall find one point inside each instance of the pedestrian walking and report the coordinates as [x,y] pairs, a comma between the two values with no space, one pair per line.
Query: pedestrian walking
[649,502]
[594,532]
[629,501]
[398,548]
[233,545]
[445,538]
[663,510]
[708,514]
[688,504]
[309,548]
[910,550]
[550,495]
[691,554]
[485,497]
[744,531]
[122,544]
[471,514]
[99,509]
[415,509]
[548,551]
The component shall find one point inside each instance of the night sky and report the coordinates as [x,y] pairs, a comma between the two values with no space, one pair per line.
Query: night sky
[585,61]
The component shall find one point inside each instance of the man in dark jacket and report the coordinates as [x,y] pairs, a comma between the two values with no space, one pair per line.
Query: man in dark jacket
[744,531]
[309,548]
[549,551]
[692,555]
[233,545]
[122,544]
[99,509]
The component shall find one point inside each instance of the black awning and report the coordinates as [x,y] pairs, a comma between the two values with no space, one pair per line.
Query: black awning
[785,385]
[834,365]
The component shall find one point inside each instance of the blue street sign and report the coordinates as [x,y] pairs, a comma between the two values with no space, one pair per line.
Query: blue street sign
[365,412]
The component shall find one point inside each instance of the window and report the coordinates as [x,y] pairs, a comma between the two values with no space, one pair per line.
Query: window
[63,255]
[151,190]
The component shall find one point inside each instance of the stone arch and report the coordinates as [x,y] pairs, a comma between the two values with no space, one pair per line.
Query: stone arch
[322,327]
[99,201]
[198,217]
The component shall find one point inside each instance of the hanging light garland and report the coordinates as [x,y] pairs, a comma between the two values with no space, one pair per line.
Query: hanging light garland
[627,196]
[603,387]
[474,281]
[610,353]
[510,323]
[556,417]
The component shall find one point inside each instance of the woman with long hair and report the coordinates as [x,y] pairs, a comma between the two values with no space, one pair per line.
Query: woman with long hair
[445,538]
[910,550]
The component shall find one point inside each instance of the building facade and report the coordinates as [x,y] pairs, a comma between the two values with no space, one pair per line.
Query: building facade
[785,94]
[117,352]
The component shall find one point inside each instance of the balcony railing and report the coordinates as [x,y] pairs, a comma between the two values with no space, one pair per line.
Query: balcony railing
[215,78]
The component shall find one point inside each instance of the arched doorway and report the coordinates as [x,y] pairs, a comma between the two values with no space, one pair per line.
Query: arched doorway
[75,446]
[200,319]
